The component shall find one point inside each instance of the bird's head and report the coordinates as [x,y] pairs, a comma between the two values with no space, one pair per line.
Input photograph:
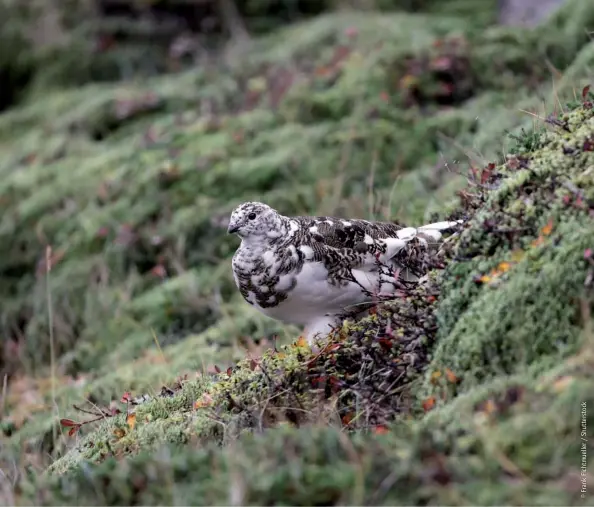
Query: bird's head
[255,219]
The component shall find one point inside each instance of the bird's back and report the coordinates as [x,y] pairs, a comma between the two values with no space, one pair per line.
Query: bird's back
[342,233]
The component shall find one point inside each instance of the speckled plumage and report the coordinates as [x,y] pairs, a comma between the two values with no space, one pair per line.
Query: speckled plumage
[312,270]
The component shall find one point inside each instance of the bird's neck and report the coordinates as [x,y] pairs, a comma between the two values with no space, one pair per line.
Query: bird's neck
[281,230]
[254,246]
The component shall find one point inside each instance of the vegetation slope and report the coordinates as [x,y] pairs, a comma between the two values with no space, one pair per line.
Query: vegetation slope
[115,275]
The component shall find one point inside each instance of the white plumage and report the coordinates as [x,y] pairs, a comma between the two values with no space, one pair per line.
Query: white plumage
[311,271]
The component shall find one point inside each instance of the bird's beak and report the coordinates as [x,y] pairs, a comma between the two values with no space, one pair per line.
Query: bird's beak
[232,228]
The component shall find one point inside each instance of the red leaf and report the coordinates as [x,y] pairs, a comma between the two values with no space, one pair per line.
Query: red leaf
[585,91]
[126,397]
[331,347]
[451,376]
[485,175]
[217,369]
[386,343]
[159,271]
[205,401]
[347,418]
[68,422]
[380,430]
[229,371]
[253,364]
[429,403]
[131,421]
[73,430]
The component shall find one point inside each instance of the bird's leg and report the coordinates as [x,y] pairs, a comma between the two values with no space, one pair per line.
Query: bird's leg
[319,328]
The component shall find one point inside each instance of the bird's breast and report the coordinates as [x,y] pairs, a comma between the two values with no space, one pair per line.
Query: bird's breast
[265,278]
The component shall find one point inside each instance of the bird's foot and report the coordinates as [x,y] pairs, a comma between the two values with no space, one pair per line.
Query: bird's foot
[317,331]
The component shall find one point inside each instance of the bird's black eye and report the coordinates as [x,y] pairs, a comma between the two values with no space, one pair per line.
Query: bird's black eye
[252,216]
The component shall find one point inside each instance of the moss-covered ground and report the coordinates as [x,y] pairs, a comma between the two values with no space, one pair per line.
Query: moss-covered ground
[116,292]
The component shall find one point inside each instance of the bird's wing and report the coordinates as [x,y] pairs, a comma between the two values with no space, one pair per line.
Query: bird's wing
[382,240]
[341,233]
[376,256]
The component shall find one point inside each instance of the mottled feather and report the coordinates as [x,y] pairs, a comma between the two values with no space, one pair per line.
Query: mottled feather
[309,270]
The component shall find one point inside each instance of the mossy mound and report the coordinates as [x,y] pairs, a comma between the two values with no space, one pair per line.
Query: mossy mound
[486,447]
[482,423]
[526,256]
[360,379]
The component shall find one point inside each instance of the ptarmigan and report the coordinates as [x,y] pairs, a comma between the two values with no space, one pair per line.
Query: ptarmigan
[311,271]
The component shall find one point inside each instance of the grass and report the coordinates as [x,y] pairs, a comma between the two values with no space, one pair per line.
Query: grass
[354,114]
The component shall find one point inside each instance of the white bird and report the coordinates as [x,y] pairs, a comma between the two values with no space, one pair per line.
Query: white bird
[311,271]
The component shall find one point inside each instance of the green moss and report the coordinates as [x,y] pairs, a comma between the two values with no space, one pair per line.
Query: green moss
[492,434]
[538,229]
[361,382]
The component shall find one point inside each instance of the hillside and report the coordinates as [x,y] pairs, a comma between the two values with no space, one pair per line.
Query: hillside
[115,275]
